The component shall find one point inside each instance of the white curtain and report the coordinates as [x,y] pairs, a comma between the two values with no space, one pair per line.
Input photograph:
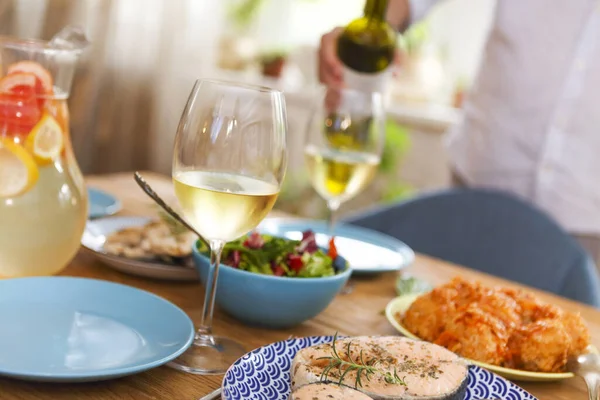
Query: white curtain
[133,81]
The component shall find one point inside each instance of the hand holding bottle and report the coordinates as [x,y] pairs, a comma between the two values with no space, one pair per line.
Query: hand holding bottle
[331,69]
[361,55]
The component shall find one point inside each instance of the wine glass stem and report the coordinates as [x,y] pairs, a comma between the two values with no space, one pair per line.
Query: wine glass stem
[210,289]
[333,206]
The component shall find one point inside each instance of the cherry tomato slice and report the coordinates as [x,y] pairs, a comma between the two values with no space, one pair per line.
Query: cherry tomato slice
[295,262]
[332,249]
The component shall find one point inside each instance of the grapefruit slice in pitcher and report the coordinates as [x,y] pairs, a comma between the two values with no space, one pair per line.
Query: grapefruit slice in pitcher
[31,67]
[18,113]
[21,84]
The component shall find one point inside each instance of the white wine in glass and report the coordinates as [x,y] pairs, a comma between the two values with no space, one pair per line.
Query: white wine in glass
[340,175]
[232,205]
[228,165]
[344,142]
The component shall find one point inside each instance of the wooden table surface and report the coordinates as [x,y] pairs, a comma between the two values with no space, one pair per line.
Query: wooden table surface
[358,313]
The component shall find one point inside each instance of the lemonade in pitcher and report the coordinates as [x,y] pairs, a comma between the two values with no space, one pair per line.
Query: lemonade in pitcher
[43,199]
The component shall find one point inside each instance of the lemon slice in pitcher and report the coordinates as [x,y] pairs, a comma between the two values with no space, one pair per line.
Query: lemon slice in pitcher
[46,140]
[18,172]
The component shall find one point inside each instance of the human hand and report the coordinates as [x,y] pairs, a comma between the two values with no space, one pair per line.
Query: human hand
[330,67]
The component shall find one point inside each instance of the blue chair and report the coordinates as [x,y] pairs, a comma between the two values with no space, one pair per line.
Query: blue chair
[492,232]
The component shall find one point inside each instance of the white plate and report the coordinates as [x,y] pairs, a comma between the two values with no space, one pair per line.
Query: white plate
[94,238]
[367,251]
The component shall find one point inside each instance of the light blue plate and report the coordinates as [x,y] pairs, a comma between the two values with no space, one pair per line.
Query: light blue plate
[64,329]
[265,374]
[102,204]
[365,250]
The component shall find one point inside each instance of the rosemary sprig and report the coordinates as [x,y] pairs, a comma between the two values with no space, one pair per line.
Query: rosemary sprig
[368,369]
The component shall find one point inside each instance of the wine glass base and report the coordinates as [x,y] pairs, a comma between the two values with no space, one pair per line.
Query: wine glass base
[348,288]
[209,355]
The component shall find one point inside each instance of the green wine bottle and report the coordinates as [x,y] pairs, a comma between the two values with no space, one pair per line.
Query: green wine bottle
[366,48]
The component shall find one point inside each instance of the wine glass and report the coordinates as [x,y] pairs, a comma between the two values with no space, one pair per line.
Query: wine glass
[344,142]
[228,165]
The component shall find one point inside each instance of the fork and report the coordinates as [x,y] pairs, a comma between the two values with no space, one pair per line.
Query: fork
[215,394]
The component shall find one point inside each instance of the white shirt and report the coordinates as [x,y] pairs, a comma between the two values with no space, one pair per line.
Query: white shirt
[532,119]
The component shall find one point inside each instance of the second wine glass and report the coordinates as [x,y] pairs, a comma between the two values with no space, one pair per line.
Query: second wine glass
[344,142]
[228,165]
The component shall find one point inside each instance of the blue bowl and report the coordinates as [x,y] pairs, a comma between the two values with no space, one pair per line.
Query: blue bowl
[271,301]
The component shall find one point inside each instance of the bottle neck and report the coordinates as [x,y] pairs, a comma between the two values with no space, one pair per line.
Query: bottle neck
[376,9]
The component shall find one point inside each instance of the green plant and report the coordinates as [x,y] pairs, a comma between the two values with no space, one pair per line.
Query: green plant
[243,12]
[412,40]
[396,191]
[273,55]
[397,144]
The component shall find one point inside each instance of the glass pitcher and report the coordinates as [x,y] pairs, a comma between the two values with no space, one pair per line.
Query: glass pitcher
[43,198]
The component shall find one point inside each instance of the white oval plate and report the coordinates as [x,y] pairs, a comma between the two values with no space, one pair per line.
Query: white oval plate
[94,238]
[367,251]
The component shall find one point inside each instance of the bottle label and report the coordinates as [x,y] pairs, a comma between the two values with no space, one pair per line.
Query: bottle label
[378,82]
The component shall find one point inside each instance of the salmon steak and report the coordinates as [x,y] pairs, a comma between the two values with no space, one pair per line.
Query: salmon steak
[379,367]
[328,391]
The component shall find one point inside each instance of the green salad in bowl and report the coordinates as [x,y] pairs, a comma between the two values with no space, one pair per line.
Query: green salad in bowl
[273,281]
[271,255]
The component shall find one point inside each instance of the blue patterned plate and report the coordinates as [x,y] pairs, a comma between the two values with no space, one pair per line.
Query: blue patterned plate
[264,373]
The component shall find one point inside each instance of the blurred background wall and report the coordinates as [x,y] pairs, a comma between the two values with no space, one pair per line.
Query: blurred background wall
[134,80]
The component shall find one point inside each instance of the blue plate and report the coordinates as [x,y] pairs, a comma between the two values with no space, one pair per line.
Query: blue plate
[102,204]
[265,374]
[365,250]
[74,329]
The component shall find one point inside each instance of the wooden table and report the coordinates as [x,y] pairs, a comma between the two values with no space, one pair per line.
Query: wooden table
[358,313]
